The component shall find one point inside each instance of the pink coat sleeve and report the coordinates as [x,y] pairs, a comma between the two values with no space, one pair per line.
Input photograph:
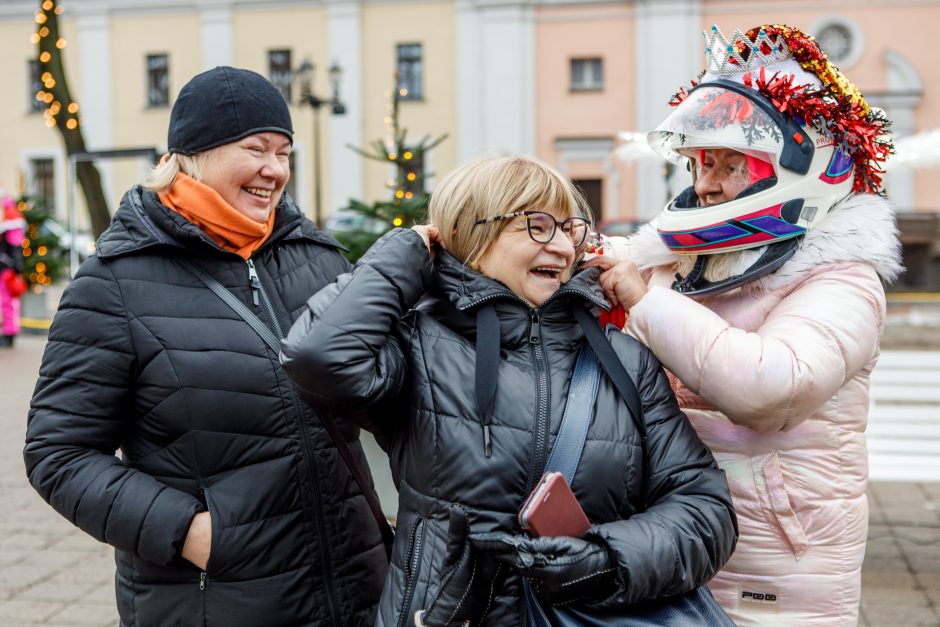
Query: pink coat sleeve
[808,346]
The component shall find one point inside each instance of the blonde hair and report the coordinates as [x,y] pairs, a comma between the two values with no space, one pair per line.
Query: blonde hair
[494,186]
[160,179]
[720,266]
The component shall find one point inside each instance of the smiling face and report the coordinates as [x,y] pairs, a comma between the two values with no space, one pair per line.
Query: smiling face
[533,271]
[250,174]
[720,175]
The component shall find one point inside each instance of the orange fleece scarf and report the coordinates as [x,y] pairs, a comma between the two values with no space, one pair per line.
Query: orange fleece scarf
[204,207]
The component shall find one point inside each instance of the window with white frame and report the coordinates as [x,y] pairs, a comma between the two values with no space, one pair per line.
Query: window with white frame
[410,71]
[587,74]
[158,80]
[279,71]
[34,86]
[41,183]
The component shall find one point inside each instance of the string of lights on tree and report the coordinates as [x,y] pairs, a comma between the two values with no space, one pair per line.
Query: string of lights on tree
[409,200]
[60,108]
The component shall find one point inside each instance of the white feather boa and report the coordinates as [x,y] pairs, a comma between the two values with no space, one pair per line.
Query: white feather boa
[860,229]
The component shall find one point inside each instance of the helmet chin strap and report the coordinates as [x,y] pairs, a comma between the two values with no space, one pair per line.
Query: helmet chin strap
[774,256]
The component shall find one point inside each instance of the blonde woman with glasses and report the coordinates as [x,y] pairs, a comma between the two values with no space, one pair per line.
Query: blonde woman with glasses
[455,342]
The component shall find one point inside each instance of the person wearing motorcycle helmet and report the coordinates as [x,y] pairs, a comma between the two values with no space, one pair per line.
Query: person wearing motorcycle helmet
[760,289]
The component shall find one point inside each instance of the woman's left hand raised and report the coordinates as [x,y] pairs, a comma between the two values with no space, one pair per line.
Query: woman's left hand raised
[430,234]
[621,280]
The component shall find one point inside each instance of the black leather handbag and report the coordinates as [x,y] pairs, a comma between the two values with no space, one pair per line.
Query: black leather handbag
[696,608]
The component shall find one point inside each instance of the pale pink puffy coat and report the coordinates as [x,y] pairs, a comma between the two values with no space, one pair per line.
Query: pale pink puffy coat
[775,379]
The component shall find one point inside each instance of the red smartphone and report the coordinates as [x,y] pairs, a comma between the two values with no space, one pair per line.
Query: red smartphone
[553,510]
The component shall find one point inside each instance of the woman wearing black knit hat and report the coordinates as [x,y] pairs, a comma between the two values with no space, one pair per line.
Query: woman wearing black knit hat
[232,503]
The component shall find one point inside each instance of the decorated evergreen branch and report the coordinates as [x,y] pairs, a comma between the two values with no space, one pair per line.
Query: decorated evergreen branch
[409,200]
[44,257]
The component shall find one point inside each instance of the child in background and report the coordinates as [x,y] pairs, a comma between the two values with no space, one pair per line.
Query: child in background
[12,285]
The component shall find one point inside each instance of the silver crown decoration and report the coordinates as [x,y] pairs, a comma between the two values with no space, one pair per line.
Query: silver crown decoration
[725,57]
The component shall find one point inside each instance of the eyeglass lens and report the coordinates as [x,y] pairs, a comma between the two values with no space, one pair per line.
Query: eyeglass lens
[542,228]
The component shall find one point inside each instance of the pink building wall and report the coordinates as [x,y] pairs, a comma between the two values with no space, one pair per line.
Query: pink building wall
[609,31]
[563,33]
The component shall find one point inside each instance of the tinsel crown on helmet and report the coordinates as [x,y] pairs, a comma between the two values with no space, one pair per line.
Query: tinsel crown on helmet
[835,108]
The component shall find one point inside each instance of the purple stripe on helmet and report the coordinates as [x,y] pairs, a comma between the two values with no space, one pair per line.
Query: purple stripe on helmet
[774,225]
[720,233]
[689,240]
[840,164]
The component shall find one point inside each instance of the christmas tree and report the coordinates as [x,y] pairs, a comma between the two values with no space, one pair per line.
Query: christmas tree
[408,202]
[44,258]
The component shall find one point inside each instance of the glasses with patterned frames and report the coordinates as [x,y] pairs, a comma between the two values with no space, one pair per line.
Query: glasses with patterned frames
[542,226]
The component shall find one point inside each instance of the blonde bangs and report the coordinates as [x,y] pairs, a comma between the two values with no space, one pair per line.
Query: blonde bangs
[494,186]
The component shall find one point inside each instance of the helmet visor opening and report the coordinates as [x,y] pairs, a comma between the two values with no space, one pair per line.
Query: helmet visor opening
[722,174]
[712,117]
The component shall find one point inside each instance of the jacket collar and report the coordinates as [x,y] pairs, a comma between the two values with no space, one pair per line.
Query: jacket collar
[142,222]
[467,289]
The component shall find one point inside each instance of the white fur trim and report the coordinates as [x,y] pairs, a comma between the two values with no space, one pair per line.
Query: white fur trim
[860,229]
[648,250]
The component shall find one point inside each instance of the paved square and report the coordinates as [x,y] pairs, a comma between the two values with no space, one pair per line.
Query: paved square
[53,574]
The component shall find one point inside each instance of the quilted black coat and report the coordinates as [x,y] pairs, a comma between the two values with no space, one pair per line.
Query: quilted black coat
[363,345]
[143,357]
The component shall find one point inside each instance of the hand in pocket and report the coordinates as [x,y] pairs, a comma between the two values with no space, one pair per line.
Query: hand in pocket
[198,544]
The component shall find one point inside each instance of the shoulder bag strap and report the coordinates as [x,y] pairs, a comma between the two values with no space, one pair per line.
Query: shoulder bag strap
[569,444]
[582,394]
[274,343]
[598,340]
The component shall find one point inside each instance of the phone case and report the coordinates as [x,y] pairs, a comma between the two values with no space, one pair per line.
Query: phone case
[552,509]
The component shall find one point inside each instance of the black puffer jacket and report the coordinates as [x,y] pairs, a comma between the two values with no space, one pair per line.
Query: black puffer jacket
[143,357]
[361,347]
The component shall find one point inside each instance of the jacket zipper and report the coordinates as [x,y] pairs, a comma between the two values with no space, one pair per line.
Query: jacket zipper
[204,575]
[414,558]
[321,524]
[540,434]
[257,289]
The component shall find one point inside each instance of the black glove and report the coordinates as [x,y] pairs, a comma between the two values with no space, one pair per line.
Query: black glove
[561,569]
[467,582]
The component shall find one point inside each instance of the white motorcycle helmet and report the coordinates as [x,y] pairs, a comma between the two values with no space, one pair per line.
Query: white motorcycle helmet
[803,172]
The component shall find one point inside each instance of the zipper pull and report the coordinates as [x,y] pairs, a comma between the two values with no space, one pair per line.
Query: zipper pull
[534,331]
[253,280]
[487,441]
[202,580]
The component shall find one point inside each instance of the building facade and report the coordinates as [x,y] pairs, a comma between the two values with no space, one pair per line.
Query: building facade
[556,78]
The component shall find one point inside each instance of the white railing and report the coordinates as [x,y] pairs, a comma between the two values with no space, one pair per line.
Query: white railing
[904,421]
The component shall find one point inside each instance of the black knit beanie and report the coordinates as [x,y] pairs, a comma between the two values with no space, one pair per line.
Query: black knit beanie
[222,106]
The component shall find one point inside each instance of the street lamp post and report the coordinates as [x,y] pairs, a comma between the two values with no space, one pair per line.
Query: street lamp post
[305,75]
